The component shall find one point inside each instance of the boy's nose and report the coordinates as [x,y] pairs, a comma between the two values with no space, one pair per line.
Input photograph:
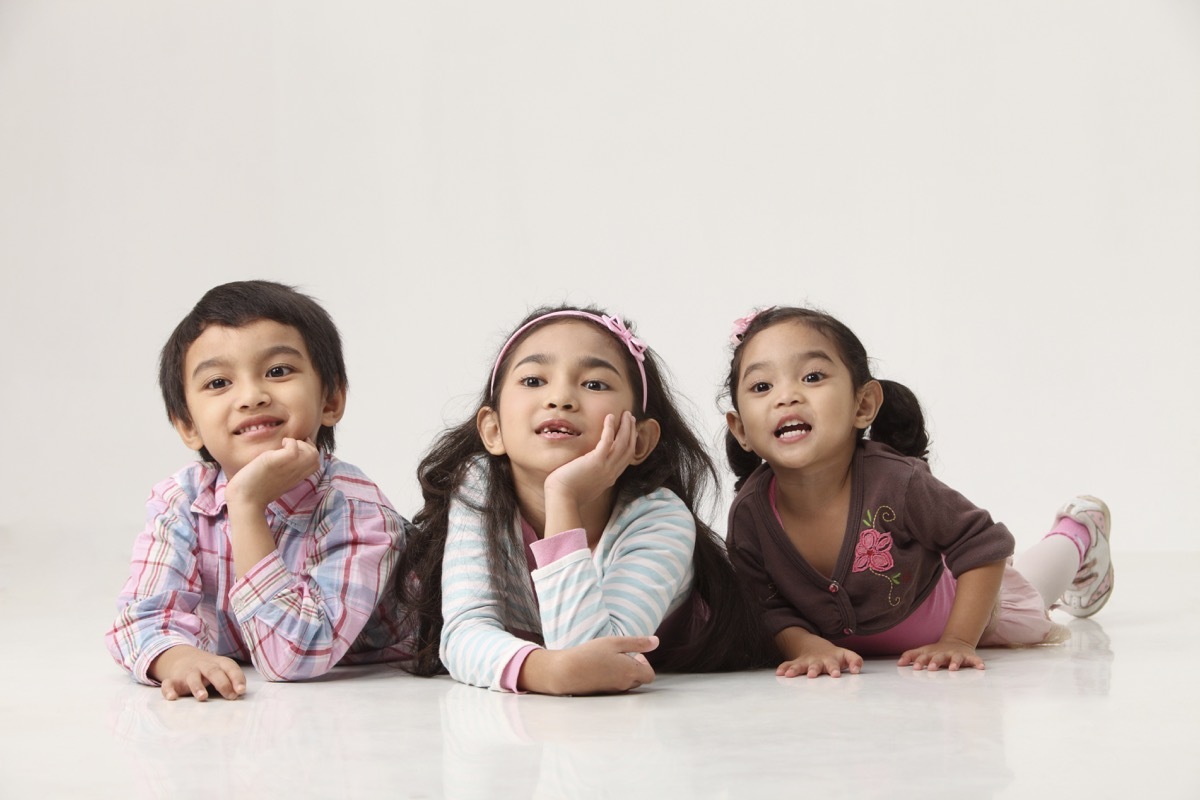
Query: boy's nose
[254,395]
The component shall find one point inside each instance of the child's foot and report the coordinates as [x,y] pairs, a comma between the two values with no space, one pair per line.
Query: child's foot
[1093,582]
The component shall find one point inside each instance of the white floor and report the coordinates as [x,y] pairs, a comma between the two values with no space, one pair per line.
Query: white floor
[1111,714]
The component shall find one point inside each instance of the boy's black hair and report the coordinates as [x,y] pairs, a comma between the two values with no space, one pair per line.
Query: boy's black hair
[237,304]
[899,423]
[729,638]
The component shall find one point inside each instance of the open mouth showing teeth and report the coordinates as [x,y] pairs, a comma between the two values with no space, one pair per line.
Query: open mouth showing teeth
[792,430]
[557,430]
[262,426]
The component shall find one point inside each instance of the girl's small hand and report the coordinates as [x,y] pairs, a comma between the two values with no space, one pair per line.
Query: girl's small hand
[949,653]
[587,477]
[831,659]
[601,666]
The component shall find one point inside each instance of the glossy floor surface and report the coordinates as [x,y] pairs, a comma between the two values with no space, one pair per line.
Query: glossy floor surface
[1113,713]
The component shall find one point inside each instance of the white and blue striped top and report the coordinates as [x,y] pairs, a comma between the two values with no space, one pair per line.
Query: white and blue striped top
[640,571]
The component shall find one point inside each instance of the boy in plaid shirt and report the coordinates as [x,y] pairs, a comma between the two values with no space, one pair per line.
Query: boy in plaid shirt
[268,550]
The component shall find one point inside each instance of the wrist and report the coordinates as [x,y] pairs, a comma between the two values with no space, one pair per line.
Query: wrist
[539,672]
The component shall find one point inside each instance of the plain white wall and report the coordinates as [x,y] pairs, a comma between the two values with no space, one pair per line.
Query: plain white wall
[1002,199]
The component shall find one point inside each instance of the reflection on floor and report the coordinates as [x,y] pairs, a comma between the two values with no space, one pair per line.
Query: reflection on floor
[1112,713]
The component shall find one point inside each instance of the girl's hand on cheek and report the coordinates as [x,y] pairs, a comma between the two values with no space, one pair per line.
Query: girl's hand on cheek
[587,477]
[270,474]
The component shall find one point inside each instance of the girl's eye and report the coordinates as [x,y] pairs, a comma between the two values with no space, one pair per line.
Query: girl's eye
[596,386]
[532,382]
[814,377]
[216,383]
[280,371]
[760,387]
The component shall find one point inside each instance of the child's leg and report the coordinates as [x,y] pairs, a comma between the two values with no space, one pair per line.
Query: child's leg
[1050,565]
[1072,567]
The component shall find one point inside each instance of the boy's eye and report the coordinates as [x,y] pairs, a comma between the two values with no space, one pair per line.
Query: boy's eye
[280,371]
[532,382]
[596,386]
[814,377]
[760,387]
[216,383]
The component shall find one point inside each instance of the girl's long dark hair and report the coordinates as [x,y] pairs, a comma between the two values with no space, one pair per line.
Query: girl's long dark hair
[899,423]
[728,637]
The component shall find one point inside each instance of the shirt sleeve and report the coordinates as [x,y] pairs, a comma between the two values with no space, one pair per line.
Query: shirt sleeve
[157,609]
[299,624]
[945,521]
[476,646]
[644,568]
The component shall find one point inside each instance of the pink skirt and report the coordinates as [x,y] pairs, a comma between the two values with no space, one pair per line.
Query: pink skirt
[1018,619]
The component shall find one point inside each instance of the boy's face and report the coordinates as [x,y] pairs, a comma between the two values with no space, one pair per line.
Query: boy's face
[248,388]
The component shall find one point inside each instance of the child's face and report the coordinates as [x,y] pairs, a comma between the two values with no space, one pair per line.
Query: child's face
[564,378]
[797,406]
[248,388]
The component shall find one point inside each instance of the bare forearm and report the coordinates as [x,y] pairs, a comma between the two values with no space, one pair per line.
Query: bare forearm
[974,600]
[250,537]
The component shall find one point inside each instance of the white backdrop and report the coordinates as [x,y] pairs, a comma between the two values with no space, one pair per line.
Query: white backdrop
[1003,200]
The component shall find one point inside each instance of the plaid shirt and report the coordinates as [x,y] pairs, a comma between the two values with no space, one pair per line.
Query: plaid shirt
[309,605]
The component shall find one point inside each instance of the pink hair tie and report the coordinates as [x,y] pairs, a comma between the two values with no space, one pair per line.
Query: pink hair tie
[741,324]
[636,347]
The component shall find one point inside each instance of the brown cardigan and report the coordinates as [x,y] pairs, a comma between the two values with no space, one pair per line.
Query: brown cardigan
[874,586]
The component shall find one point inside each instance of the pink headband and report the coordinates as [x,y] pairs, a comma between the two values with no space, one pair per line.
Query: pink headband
[637,348]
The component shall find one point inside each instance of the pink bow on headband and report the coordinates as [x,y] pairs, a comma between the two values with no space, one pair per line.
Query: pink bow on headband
[637,348]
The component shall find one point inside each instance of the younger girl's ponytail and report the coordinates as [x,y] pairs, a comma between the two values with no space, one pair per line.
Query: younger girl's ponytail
[900,423]
[742,461]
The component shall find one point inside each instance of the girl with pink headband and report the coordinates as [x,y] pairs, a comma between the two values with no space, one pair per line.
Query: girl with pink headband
[557,550]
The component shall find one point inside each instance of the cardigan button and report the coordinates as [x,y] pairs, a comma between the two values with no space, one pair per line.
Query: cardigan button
[847,631]
[833,587]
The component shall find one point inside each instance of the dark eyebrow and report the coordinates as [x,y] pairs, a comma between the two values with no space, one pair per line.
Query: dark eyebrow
[270,352]
[595,362]
[533,358]
[801,357]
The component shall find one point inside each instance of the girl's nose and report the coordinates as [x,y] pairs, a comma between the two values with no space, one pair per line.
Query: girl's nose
[790,393]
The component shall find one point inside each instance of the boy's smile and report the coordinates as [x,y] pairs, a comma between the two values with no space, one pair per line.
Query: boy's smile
[249,388]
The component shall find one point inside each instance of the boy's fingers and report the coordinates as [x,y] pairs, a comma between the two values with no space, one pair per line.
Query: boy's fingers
[196,683]
[221,682]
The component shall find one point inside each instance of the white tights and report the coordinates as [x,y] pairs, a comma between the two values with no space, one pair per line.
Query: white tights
[1050,565]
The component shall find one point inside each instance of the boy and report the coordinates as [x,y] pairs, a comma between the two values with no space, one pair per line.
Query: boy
[268,550]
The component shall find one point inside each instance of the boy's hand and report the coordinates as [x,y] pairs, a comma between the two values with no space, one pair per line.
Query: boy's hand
[184,670]
[585,478]
[949,653]
[271,474]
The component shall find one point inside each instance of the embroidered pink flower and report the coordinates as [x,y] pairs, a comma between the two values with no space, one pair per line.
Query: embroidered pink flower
[873,551]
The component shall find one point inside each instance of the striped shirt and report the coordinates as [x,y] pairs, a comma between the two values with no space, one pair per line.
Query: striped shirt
[640,572]
[307,606]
